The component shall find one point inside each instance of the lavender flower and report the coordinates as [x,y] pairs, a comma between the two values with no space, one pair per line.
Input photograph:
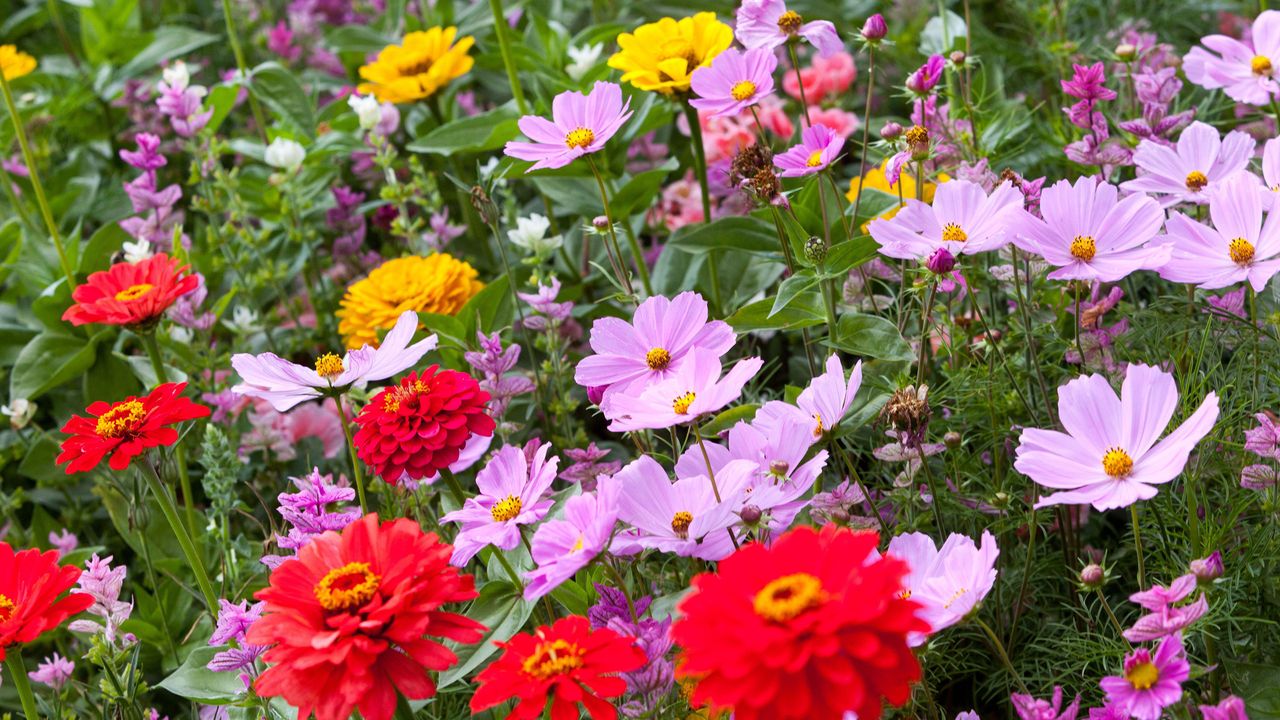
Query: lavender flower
[494,361]
[65,542]
[55,671]
[308,512]
[156,215]
[234,622]
[181,101]
[586,467]
[103,583]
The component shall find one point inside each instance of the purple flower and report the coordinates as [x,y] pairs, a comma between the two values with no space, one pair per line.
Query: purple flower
[674,517]
[1087,83]
[690,391]
[1231,708]
[874,29]
[734,81]
[182,102]
[1165,618]
[941,262]
[1157,87]
[1030,708]
[1244,69]
[925,79]
[494,362]
[512,493]
[544,304]
[1258,477]
[308,512]
[962,218]
[1200,161]
[1208,569]
[55,671]
[563,547]
[280,42]
[819,146]
[586,466]
[64,542]
[1150,682]
[948,582]
[580,124]
[234,621]
[442,231]
[147,156]
[103,583]
[1264,440]
[769,24]
[1238,248]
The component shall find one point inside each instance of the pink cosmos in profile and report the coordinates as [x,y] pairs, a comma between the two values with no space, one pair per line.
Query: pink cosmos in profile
[1164,616]
[734,81]
[579,125]
[768,24]
[657,341]
[1243,69]
[285,384]
[692,390]
[563,547]
[948,582]
[1238,248]
[962,219]
[1197,163]
[1270,189]
[677,516]
[1031,708]
[1109,457]
[829,395]
[511,495]
[1231,708]
[1089,234]
[1151,682]
[819,147]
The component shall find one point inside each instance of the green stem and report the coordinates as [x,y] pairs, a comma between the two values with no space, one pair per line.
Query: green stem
[1137,546]
[20,682]
[356,470]
[508,62]
[1004,656]
[700,169]
[511,572]
[1115,622]
[167,507]
[925,312]
[454,488]
[866,129]
[613,235]
[234,38]
[795,65]
[179,453]
[711,475]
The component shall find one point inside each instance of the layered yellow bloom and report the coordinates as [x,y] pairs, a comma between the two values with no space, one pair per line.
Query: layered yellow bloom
[14,63]
[662,56]
[876,179]
[437,283]
[426,62]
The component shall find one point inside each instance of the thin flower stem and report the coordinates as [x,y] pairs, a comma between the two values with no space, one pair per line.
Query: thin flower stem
[1137,546]
[515,302]
[179,453]
[848,231]
[511,572]
[622,587]
[866,129]
[977,307]
[161,493]
[635,244]
[700,169]
[1026,322]
[1004,656]
[1026,565]
[18,671]
[508,62]
[356,465]
[936,500]
[454,488]
[1115,622]
[234,38]
[711,475]
[925,312]
[857,480]
[795,65]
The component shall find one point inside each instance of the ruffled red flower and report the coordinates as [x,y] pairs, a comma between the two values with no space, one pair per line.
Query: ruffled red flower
[418,427]
[567,662]
[348,620]
[126,428]
[807,628]
[30,583]
[131,293]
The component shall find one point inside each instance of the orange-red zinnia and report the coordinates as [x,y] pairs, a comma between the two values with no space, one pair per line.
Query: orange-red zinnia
[131,293]
[127,428]
[30,583]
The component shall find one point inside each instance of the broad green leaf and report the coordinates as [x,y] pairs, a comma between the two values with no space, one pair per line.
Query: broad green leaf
[639,192]
[728,419]
[168,44]
[479,133]
[941,33]
[222,98]
[805,311]
[845,256]
[501,609]
[748,234]
[870,336]
[101,246]
[488,310]
[280,91]
[48,361]
[790,289]
[194,681]
[10,246]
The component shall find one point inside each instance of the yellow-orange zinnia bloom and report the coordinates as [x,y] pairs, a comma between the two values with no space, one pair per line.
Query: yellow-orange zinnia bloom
[437,283]
[662,55]
[416,69]
[876,179]
[15,63]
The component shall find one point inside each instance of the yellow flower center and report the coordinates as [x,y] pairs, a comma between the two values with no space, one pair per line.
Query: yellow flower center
[351,585]
[1241,251]
[815,159]
[577,544]
[788,596]
[916,135]
[961,592]
[951,232]
[7,608]
[506,509]
[1117,463]
[391,401]
[680,523]
[580,138]
[1143,676]
[1260,64]
[743,90]
[121,418]
[133,292]
[329,366]
[1196,181]
[657,359]
[681,404]
[558,657]
[905,594]
[789,22]
[1084,247]
[817,431]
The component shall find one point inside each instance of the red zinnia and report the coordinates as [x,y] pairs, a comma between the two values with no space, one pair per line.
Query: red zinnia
[131,293]
[568,662]
[30,583]
[348,619]
[809,628]
[418,427]
[126,428]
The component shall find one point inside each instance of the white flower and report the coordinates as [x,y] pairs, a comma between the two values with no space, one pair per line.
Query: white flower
[20,413]
[176,75]
[243,320]
[531,234]
[284,154]
[180,334]
[137,251]
[367,109]
[584,58]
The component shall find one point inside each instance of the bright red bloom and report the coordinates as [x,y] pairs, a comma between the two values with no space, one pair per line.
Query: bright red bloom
[348,619]
[809,628]
[568,662]
[30,583]
[418,427]
[131,293]
[126,428]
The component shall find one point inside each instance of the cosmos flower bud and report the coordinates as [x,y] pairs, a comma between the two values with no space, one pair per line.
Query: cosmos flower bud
[484,206]
[1208,569]
[779,467]
[891,131]
[815,251]
[957,58]
[1126,52]
[600,223]
[952,440]
[1092,576]
[596,393]
[751,514]
[941,261]
[875,29]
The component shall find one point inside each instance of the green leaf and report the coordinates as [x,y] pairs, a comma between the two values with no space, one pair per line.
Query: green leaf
[501,609]
[48,361]
[169,43]
[728,419]
[279,90]
[571,595]
[194,681]
[10,246]
[488,310]
[870,336]
[790,289]
[1259,686]
[941,33]
[355,38]
[222,98]
[101,246]
[640,191]
[748,234]
[479,133]
[802,312]
[848,255]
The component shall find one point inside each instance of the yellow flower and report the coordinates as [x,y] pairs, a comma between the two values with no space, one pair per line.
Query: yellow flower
[876,179]
[15,63]
[437,283]
[662,55]
[418,68]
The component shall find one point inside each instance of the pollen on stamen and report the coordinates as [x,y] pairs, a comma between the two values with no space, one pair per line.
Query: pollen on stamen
[815,159]
[952,232]
[680,523]
[657,359]
[329,366]
[789,22]
[1196,181]
[681,404]
[1260,65]
[1117,463]
[1084,247]
[1241,251]
[580,138]
[743,90]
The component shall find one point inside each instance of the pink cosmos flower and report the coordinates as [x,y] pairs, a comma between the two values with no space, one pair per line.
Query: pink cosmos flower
[734,81]
[692,390]
[819,146]
[658,340]
[1238,248]
[1165,617]
[769,24]
[1150,682]
[580,124]
[1201,159]
[1244,69]
[511,495]
[1231,708]
[962,219]
[1109,456]
[926,78]
[948,582]
[829,395]
[285,384]
[677,517]
[563,547]
[1030,708]
[1090,235]
[1270,173]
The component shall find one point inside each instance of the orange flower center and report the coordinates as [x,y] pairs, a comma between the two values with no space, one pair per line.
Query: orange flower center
[916,135]
[1241,251]
[7,608]
[506,509]
[1260,64]
[557,657]
[657,359]
[743,90]
[133,292]
[1117,463]
[1084,247]
[788,596]
[580,138]
[1196,181]
[789,22]
[682,403]
[952,232]
[817,431]
[1143,676]
[351,585]
[121,418]
[329,366]
[681,521]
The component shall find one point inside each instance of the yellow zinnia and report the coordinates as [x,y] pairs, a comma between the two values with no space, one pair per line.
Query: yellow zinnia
[876,179]
[14,63]
[437,283]
[419,67]
[663,55]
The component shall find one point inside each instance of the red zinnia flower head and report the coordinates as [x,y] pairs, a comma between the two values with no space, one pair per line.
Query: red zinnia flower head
[348,620]
[810,628]
[567,662]
[131,293]
[127,428]
[30,583]
[418,427]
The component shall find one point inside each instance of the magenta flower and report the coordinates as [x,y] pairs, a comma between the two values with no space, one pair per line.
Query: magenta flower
[691,391]
[1030,708]
[734,81]
[563,547]
[962,218]
[926,78]
[580,124]
[1264,440]
[512,491]
[1086,83]
[768,24]
[819,146]
[1201,159]
[1109,456]
[676,517]
[1150,682]
[1231,708]
[1091,235]
[1243,69]
[285,384]
[948,582]
[1238,248]
[1166,618]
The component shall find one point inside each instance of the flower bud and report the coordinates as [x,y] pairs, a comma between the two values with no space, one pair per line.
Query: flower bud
[1126,52]
[600,223]
[815,251]
[875,28]
[915,83]
[1001,500]
[839,516]
[957,58]
[1208,569]
[1092,576]
[751,514]
[941,261]
[595,393]
[484,206]
[891,131]
[952,440]
[908,412]
[779,468]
